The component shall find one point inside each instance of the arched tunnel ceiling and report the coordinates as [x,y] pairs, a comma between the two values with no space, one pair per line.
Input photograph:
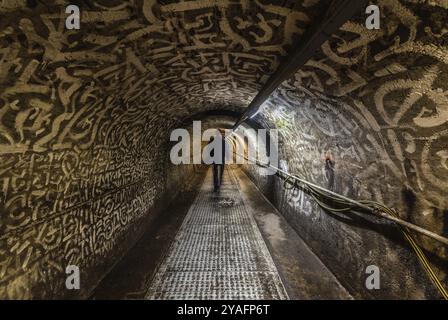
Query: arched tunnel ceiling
[384,89]
[175,58]
[149,60]
[230,117]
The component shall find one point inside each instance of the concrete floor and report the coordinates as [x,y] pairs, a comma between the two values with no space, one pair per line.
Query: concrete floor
[228,245]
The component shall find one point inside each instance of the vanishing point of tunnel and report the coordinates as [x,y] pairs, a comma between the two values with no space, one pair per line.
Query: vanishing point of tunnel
[347,100]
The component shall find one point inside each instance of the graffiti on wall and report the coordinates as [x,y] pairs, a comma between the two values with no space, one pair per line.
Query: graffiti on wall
[376,100]
[386,94]
[84,115]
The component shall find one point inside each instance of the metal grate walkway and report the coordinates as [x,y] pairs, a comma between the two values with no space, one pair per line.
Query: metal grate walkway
[219,252]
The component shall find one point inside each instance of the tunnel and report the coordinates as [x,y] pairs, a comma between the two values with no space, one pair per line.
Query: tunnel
[352,97]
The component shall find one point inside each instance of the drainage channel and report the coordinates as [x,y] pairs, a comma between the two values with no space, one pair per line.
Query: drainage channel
[218,253]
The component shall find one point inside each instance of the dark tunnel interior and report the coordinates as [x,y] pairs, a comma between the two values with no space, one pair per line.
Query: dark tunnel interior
[359,116]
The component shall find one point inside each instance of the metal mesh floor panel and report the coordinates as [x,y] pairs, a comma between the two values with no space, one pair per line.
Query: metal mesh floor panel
[241,285]
[218,252]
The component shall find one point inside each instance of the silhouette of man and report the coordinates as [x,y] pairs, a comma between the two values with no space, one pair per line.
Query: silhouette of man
[218,164]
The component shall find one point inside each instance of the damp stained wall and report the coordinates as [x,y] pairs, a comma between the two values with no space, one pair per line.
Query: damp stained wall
[376,103]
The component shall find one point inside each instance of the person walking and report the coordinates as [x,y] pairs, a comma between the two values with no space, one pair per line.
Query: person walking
[218,162]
